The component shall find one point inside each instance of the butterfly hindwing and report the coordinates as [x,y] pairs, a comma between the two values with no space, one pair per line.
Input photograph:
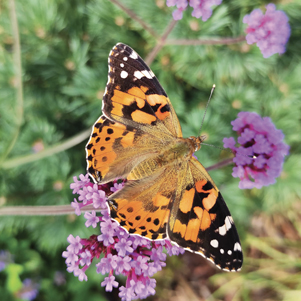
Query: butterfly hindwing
[143,206]
[202,222]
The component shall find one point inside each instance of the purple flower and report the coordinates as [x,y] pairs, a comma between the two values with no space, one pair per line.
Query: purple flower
[5,258]
[59,278]
[259,158]
[201,8]
[92,219]
[270,31]
[114,250]
[75,244]
[29,291]
[109,282]
[78,185]
[123,246]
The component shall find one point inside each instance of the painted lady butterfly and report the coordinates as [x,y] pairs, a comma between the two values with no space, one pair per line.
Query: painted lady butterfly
[168,193]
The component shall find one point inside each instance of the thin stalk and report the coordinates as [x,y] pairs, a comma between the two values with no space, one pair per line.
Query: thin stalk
[18,73]
[213,41]
[161,42]
[47,152]
[136,18]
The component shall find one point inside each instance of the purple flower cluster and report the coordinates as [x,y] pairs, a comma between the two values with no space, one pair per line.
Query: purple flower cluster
[114,249]
[259,158]
[270,31]
[201,8]
[29,291]
[5,259]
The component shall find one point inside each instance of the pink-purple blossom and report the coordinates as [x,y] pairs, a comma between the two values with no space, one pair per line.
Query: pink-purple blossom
[259,158]
[270,31]
[201,8]
[29,291]
[112,249]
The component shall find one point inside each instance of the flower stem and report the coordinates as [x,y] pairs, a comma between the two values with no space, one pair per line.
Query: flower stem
[136,18]
[160,43]
[218,41]
[18,73]
[220,164]
[15,162]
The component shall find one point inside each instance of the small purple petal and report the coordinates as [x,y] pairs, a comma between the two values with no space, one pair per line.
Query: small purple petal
[92,219]
[109,282]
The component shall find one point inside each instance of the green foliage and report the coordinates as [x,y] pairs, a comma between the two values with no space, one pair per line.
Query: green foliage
[64,49]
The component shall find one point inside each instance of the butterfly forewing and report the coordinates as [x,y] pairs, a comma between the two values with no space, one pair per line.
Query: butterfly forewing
[134,96]
[168,192]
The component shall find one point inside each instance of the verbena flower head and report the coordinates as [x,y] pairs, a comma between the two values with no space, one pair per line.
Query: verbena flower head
[259,158]
[201,8]
[5,259]
[29,291]
[112,250]
[270,31]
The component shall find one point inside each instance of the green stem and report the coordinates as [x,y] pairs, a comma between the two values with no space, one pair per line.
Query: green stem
[43,210]
[220,164]
[160,43]
[18,73]
[136,18]
[15,162]
[218,41]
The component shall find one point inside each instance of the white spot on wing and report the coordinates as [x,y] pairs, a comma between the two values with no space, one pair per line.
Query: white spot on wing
[125,58]
[134,55]
[124,74]
[222,251]
[146,74]
[214,243]
[222,230]
[228,223]
[121,65]
[237,247]
[229,252]
[138,74]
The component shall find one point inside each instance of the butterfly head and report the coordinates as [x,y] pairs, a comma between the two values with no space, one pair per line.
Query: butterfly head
[197,141]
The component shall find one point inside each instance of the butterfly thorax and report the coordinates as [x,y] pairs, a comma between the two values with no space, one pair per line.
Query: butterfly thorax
[175,152]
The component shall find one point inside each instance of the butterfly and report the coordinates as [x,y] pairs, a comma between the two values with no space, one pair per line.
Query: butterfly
[168,193]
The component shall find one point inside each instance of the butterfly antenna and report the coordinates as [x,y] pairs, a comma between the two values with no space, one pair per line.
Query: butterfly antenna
[213,87]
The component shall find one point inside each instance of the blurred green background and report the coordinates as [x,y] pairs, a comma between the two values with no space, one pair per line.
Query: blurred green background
[45,124]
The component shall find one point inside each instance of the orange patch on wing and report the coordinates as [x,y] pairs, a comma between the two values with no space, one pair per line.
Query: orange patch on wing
[154,99]
[161,115]
[144,89]
[209,201]
[142,117]
[193,230]
[117,109]
[136,92]
[200,184]
[187,200]
[128,140]
[127,99]
[199,212]
[160,200]
[212,216]
[206,221]
[179,228]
